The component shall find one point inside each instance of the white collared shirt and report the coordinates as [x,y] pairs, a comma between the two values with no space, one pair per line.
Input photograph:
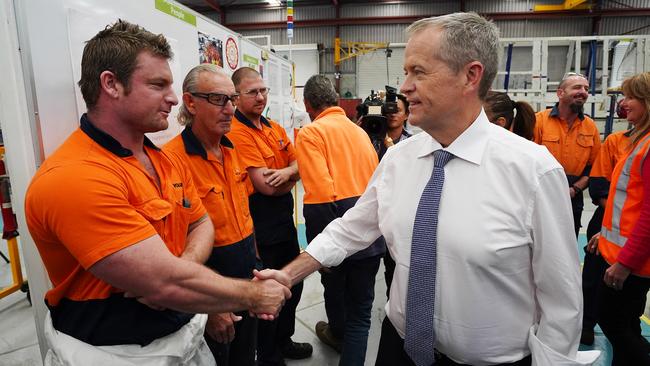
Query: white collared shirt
[506,252]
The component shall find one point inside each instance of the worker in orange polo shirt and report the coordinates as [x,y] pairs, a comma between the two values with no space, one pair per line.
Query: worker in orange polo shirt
[336,160]
[571,137]
[269,158]
[206,113]
[120,227]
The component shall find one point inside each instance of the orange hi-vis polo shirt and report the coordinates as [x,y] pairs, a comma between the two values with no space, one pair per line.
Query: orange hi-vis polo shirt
[92,198]
[325,149]
[615,147]
[268,147]
[575,149]
[223,188]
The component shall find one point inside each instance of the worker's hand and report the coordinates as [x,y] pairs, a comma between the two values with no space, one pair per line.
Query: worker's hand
[277,177]
[572,192]
[269,298]
[142,300]
[273,274]
[592,245]
[221,327]
[615,275]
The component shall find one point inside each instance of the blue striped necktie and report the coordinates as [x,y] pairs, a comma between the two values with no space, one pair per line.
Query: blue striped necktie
[420,335]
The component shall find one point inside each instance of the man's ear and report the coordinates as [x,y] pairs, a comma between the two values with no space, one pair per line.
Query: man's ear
[109,84]
[473,74]
[188,102]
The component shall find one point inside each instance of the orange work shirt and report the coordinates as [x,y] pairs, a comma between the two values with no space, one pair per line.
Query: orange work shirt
[92,198]
[615,147]
[576,148]
[223,187]
[325,149]
[268,147]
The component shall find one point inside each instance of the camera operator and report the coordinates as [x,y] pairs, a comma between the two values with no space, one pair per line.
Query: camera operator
[384,121]
[396,126]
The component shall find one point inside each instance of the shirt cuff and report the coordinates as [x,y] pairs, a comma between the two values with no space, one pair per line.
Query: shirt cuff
[326,253]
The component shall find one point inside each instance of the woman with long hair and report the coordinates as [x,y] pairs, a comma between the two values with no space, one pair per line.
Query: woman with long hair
[624,240]
[500,109]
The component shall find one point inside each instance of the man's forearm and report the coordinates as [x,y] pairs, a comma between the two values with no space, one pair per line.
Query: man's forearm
[582,183]
[200,239]
[295,175]
[301,267]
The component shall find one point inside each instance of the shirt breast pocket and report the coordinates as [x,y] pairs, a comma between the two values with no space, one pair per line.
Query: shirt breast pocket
[268,155]
[154,210]
[552,143]
[585,144]
[213,199]
[242,190]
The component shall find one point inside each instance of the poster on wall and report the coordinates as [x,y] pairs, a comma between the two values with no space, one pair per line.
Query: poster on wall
[210,50]
[232,53]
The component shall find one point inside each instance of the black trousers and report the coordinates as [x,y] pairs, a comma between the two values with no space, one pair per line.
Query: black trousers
[593,271]
[235,260]
[241,351]
[389,271]
[273,335]
[618,317]
[391,351]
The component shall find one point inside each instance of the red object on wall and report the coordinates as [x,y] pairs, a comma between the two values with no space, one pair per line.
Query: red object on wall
[350,107]
[10,227]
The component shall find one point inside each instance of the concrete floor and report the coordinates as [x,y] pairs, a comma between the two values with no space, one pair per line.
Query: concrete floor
[18,341]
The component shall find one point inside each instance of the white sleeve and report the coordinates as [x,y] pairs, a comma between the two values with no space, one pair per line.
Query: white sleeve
[353,232]
[556,268]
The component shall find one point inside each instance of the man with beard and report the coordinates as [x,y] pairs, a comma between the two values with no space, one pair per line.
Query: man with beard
[571,137]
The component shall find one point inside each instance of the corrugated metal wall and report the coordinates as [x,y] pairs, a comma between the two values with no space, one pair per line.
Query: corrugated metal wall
[394,33]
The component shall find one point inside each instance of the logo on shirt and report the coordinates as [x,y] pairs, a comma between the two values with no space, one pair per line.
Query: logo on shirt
[178,185]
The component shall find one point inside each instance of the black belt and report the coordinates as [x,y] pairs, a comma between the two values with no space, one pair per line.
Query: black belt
[443,360]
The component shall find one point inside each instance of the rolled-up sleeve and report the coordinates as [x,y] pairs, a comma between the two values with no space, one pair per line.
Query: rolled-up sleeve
[353,232]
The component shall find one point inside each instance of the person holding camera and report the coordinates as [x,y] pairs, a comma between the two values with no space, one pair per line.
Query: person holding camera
[336,160]
[396,125]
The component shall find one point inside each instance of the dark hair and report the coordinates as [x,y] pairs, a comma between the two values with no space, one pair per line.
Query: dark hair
[406,102]
[116,49]
[320,92]
[500,105]
[242,73]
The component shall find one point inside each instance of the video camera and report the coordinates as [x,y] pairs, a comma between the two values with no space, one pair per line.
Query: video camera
[374,111]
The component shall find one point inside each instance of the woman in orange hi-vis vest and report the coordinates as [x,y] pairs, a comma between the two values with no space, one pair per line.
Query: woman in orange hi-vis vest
[624,240]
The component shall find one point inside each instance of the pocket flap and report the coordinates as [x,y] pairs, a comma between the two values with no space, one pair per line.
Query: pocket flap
[155,209]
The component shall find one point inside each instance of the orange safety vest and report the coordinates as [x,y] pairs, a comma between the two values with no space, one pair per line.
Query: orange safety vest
[624,205]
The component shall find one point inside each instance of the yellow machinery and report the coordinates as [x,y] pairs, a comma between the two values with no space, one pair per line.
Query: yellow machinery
[566,5]
[344,50]
[10,234]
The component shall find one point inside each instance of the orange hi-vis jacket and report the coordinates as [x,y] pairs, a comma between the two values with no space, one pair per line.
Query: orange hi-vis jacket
[624,205]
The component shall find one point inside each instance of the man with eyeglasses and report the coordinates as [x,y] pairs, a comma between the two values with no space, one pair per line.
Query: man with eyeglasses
[269,158]
[222,184]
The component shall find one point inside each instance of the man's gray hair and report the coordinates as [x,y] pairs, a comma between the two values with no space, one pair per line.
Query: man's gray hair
[189,86]
[320,92]
[466,37]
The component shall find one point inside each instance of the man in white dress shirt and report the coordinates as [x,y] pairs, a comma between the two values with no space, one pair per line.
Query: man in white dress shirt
[508,278]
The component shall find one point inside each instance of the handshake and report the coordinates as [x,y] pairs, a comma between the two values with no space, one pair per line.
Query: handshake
[271,290]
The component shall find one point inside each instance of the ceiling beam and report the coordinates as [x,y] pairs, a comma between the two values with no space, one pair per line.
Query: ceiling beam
[410,19]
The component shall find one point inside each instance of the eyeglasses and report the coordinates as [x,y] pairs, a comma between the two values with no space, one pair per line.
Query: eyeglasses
[253,92]
[217,98]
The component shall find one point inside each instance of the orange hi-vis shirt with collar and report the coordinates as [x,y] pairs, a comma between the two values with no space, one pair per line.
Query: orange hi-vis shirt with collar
[324,148]
[576,148]
[624,206]
[92,198]
[223,188]
[268,147]
[615,147]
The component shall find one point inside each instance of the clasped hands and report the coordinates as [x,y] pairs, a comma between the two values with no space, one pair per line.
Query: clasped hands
[273,289]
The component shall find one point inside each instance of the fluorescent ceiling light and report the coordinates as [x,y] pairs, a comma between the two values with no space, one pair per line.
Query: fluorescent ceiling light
[274,2]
